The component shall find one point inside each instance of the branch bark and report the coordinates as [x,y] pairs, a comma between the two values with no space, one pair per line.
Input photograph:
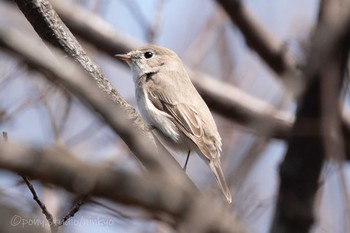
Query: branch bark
[304,158]
[149,191]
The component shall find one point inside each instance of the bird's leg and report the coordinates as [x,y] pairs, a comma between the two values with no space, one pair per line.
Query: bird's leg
[188,156]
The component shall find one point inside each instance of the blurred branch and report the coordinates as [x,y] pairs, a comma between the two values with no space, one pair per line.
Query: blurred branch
[138,16]
[244,167]
[59,167]
[270,49]
[13,220]
[89,26]
[44,210]
[54,224]
[304,158]
[149,191]
[157,22]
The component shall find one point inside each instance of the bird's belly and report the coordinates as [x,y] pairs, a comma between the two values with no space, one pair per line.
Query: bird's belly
[158,119]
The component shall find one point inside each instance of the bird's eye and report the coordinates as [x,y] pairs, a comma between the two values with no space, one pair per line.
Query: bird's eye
[148,54]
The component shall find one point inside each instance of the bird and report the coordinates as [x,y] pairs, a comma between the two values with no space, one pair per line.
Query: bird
[170,104]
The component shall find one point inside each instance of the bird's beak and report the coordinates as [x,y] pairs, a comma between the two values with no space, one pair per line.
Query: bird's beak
[124,57]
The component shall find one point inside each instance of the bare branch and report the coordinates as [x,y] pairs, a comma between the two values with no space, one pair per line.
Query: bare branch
[13,220]
[89,26]
[241,107]
[304,158]
[73,210]
[148,190]
[158,19]
[54,225]
[270,49]
[42,206]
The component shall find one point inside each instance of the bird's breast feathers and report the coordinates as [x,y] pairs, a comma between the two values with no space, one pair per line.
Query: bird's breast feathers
[155,117]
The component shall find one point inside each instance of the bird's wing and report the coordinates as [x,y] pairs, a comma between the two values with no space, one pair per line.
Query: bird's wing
[184,116]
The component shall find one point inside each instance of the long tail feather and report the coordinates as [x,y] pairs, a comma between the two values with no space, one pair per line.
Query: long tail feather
[215,166]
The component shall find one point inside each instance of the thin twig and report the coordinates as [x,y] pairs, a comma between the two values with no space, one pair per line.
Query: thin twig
[53,225]
[42,206]
[30,186]
[44,210]
[73,210]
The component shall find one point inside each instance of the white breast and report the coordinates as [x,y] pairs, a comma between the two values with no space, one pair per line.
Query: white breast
[155,117]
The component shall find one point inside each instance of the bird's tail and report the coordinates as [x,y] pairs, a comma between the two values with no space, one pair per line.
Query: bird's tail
[215,166]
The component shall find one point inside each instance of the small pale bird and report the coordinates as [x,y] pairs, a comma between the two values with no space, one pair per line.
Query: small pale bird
[169,103]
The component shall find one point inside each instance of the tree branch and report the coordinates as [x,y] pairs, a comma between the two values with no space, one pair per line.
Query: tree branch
[149,191]
[304,158]
[74,209]
[13,220]
[42,206]
[270,49]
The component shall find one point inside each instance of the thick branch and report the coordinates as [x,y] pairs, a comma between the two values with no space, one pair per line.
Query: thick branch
[300,170]
[149,191]
[302,165]
[59,167]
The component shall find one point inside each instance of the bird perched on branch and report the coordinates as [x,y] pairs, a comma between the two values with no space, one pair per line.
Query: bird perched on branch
[169,102]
